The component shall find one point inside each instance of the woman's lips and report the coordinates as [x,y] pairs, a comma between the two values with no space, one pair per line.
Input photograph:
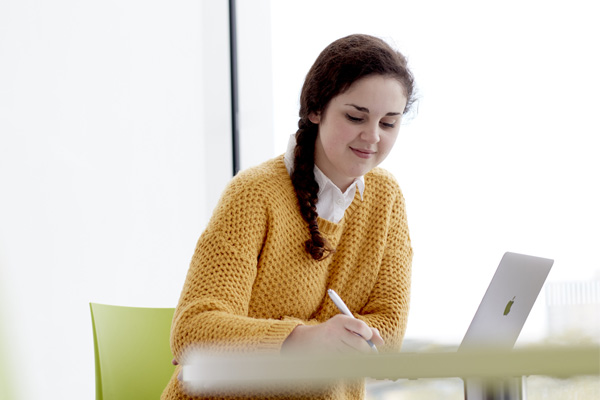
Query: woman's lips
[362,153]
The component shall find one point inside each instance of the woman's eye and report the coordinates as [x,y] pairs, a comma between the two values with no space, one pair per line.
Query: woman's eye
[388,124]
[353,119]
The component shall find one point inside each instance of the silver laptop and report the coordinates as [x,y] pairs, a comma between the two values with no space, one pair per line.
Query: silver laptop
[500,318]
[507,302]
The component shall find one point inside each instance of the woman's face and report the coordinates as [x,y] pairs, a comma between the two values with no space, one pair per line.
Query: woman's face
[358,128]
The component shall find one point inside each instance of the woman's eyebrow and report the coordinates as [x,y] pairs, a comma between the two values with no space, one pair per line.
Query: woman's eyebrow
[365,109]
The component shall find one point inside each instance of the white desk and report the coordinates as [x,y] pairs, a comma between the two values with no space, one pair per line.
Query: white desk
[489,365]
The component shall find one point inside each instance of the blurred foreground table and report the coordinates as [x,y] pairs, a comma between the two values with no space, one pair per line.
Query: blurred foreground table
[489,374]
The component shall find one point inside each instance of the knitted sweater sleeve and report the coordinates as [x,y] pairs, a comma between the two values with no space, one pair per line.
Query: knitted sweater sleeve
[388,304]
[213,308]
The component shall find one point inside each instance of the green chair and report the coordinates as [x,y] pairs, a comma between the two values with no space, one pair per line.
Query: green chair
[132,352]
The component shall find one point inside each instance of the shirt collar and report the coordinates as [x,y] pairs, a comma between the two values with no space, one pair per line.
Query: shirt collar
[326,184]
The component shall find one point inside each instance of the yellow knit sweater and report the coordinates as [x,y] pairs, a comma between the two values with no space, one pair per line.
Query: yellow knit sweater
[251,282]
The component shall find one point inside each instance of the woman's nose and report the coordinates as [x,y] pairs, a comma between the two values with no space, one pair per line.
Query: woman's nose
[371,134]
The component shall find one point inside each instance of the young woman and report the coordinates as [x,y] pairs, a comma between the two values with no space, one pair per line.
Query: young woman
[320,216]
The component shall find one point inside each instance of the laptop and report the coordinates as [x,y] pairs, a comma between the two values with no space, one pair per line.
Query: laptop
[507,302]
[500,317]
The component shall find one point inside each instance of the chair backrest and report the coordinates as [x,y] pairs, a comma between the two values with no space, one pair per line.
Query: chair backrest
[132,352]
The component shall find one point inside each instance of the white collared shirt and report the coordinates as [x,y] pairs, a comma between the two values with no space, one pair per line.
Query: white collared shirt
[332,202]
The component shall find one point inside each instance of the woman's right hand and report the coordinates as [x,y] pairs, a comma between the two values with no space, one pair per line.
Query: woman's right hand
[341,334]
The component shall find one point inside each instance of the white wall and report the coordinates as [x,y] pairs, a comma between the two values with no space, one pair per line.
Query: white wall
[114,147]
[256,117]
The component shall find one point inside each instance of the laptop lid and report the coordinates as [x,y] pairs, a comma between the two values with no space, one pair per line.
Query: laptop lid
[507,302]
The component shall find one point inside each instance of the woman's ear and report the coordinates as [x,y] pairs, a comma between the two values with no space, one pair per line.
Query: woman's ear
[315,118]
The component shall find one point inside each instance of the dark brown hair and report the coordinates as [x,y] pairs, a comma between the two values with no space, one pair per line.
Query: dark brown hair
[339,65]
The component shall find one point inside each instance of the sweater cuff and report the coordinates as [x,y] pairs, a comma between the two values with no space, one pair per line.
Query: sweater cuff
[277,333]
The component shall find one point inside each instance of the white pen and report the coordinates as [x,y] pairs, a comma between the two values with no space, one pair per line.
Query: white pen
[337,300]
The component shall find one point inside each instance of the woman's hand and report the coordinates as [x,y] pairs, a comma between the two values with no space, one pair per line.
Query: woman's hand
[338,334]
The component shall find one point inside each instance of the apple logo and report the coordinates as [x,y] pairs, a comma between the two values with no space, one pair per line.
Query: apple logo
[509,305]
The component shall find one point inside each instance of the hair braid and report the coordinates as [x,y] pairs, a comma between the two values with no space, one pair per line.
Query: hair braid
[303,179]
